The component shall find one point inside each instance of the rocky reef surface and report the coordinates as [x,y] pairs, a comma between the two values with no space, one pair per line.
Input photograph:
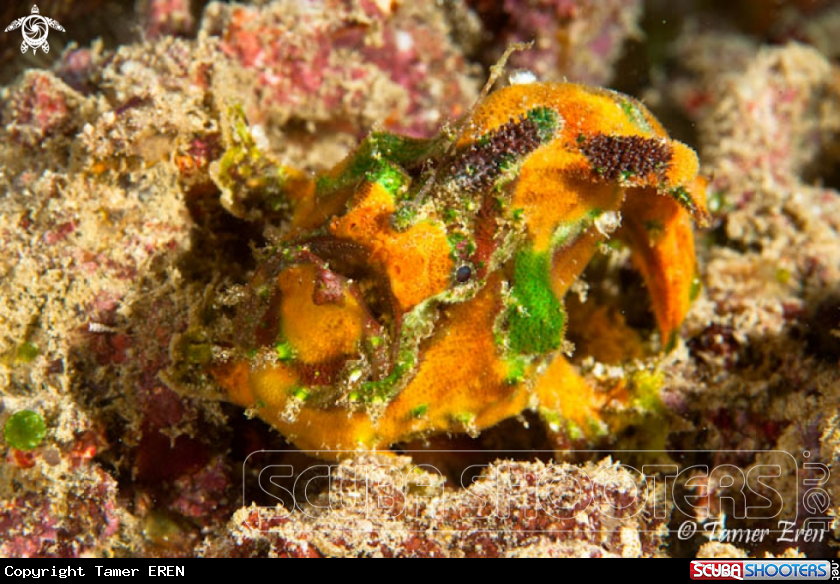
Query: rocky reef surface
[123,253]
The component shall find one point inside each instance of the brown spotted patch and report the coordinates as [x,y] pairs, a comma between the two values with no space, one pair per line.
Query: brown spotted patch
[614,157]
[479,165]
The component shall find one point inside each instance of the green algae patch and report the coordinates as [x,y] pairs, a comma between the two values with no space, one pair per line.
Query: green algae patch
[683,197]
[546,120]
[635,116]
[419,411]
[25,430]
[284,351]
[517,370]
[536,318]
[647,386]
[390,177]
[27,352]
[386,388]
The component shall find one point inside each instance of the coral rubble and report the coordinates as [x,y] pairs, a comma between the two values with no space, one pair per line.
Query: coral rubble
[423,518]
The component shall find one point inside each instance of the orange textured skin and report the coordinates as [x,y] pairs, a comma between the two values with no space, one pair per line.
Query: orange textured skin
[465,358]
[416,261]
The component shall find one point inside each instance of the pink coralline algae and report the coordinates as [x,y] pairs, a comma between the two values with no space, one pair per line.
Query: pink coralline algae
[340,65]
[166,17]
[578,40]
[76,521]
[39,107]
[205,493]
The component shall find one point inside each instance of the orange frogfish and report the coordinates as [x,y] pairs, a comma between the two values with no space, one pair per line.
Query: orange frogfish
[419,285]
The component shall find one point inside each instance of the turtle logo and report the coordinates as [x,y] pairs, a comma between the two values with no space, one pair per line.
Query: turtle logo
[35,31]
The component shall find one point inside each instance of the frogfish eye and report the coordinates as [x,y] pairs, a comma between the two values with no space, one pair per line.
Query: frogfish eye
[463,274]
